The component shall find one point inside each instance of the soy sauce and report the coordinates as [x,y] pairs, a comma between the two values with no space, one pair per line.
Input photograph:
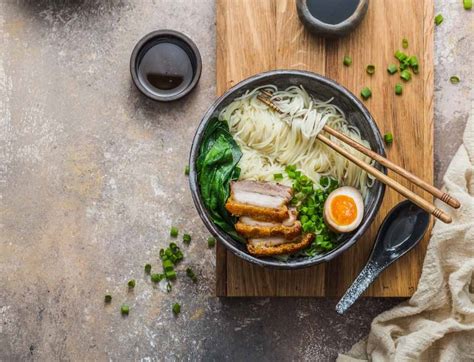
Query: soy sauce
[165,67]
[332,11]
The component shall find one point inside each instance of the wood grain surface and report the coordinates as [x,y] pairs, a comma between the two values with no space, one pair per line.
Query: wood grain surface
[259,35]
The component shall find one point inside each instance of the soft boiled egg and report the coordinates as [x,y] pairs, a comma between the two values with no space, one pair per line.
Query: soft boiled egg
[344,209]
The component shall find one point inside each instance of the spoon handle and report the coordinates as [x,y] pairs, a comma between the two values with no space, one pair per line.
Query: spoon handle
[363,280]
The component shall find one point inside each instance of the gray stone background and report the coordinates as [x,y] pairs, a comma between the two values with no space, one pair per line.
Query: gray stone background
[91,180]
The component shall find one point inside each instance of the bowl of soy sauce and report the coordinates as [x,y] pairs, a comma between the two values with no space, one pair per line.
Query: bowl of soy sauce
[165,65]
[331,18]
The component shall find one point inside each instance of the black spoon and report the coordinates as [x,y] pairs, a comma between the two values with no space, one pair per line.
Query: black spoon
[400,232]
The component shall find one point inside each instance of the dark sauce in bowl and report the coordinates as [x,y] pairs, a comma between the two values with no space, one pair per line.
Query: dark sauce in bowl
[332,11]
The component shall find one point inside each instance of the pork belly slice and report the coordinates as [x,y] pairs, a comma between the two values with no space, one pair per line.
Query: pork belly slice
[278,245]
[278,230]
[262,194]
[290,221]
[256,212]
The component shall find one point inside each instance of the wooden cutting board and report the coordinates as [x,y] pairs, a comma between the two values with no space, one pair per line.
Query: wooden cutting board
[260,35]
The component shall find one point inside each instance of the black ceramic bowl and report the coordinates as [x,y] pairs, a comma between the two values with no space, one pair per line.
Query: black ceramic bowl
[321,88]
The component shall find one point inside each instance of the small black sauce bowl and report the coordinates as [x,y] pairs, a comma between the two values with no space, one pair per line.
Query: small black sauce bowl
[177,38]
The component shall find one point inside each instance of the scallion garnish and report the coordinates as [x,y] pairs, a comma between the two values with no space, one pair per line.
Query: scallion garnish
[405,75]
[131,283]
[467,4]
[108,298]
[147,268]
[176,308]
[347,60]
[366,93]
[186,238]
[191,275]
[174,231]
[370,69]
[405,43]
[186,170]
[156,278]
[398,89]
[278,177]
[124,309]
[413,62]
[438,19]
[392,69]
[388,138]
[401,56]
[211,242]
[454,79]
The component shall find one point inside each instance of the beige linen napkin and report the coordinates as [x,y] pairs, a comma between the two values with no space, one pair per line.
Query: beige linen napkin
[437,323]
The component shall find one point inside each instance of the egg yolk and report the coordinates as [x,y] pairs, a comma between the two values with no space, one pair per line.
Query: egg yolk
[343,210]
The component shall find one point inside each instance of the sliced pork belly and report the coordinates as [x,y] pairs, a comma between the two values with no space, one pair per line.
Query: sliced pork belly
[262,194]
[257,212]
[290,221]
[278,230]
[278,245]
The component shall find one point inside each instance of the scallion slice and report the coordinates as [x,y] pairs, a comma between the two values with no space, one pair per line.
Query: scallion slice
[438,19]
[405,43]
[131,283]
[186,170]
[392,69]
[147,268]
[405,75]
[211,242]
[176,308]
[388,138]
[124,309]
[366,93]
[347,60]
[174,231]
[370,69]
[467,4]
[108,298]
[186,238]
[398,89]
[454,79]
[278,177]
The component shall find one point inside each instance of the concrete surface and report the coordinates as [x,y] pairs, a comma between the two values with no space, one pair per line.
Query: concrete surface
[91,179]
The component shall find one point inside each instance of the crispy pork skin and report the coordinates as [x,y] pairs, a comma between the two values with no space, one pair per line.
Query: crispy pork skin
[278,245]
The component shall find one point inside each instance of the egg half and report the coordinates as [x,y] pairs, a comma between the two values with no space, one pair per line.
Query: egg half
[344,209]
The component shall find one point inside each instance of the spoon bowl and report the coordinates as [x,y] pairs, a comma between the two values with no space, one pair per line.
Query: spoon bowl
[403,228]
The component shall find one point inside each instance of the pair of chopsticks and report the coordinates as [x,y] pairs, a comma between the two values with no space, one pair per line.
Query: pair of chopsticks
[265,97]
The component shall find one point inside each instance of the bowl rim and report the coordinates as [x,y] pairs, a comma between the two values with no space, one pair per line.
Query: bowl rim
[226,239]
[163,33]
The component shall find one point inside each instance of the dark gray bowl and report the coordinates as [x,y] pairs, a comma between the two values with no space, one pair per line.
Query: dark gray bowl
[322,88]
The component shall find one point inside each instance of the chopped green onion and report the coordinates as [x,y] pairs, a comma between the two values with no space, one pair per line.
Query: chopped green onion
[401,56]
[131,283]
[211,242]
[405,75]
[388,138]
[438,19]
[174,231]
[347,60]
[413,62]
[190,274]
[370,69]
[398,89]
[467,4]
[147,268]
[107,298]
[156,278]
[170,275]
[168,287]
[392,69]
[186,170]
[186,238]
[176,308]
[366,93]
[405,43]
[278,177]
[454,79]
[124,309]
[168,265]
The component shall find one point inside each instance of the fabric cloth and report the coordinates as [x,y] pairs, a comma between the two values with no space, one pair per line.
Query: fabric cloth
[437,323]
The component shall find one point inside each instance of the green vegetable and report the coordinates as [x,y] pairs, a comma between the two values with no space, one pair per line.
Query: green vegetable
[170,275]
[108,298]
[176,308]
[216,168]
[366,93]
[147,268]
[467,4]
[186,170]
[401,56]
[438,19]
[392,69]
[398,89]
[131,283]
[156,278]
[190,274]
[413,62]
[211,242]
[388,138]
[186,238]
[454,79]
[309,201]
[370,69]
[168,265]
[347,60]
[124,309]
[405,43]
[174,232]
[405,75]
[278,177]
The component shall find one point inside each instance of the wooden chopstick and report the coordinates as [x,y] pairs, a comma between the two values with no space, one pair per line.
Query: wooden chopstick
[448,199]
[264,97]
